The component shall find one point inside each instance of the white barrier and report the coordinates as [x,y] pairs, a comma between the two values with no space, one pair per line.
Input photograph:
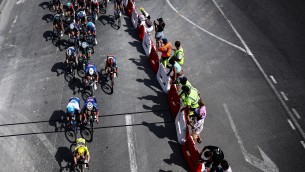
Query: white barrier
[147,29]
[146,43]
[163,79]
[135,18]
[181,126]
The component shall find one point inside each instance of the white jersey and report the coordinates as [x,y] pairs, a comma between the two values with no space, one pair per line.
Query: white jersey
[75,104]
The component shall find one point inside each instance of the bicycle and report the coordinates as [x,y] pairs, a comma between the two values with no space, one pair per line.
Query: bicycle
[93,86]
[103,6]
[81,164]
[71,66]
[111,75]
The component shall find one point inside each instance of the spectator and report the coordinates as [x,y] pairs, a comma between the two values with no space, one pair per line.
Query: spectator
[146,17]
[190,102]
[159,28]
[197,121]
[176,68]
[165,49]
[214,156]
[178,53]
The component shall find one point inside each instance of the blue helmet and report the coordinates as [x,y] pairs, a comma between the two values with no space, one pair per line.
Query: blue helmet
[68,4]
[89,24]
[70,109]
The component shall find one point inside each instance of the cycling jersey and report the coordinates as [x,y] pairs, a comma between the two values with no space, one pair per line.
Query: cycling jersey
[70,8]
[73,51]
[74,102]
[86,152]
[91,65]
[84,50]
[57,18]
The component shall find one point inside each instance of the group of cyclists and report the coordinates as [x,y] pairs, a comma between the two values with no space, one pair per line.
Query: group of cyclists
[77,19]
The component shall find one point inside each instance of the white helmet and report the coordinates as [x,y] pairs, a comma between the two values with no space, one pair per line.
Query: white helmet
[89,106]
[84,45]
[69,52]
[71,26]
[91,71]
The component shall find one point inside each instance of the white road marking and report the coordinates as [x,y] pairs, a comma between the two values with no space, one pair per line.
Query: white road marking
[20,1]
[273,79]
[277,94]
[295,112]
[267,165]
[284,96]
[291,124]
[13,24]
[303,144]
[131,147]
[213,35]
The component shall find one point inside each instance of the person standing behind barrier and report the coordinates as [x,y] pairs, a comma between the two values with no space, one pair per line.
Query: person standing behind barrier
[165,49]
[178,53]
[159,28]
[176,68]
[214,156]
[191,100]
[197,121]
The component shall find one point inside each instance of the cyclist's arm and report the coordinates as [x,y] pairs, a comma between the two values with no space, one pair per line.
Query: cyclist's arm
[87,150]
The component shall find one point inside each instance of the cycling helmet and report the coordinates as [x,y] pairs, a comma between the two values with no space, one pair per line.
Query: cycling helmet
[68,4]
[84,45]
[89,104]
[89,24]
[80,14]
[69,52]
[71,26]
[91,71]
[70,109]
[81,150]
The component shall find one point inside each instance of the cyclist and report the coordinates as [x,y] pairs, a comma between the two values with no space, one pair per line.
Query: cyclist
[81,18]
[70,9]
[118,3]
[73,30]
[81,4]
[191,100]
[58,23]
[176,68]
[81,151]
[111,67]
[90,28]
[73,109]
[91,74]
[178,53]
[84,50]
[95,6]
[90,107]
[57,5]
[71,55]
[214,156]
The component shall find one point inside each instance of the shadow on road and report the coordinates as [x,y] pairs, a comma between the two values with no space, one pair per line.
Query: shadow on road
[59,68]
[64,158]
[48,18]
[44,5]
[176,158]
[57,120]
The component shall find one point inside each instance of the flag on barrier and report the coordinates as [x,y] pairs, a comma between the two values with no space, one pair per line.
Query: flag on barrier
[147,44]
[135,18]
[154,60]
[163,79]
[191,155]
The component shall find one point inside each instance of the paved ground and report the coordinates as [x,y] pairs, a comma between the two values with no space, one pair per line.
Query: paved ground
[34,92]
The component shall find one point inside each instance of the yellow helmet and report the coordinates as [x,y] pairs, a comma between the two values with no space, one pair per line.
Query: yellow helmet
[81,150]
[142,9]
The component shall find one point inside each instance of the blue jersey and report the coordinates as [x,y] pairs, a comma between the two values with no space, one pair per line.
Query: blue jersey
[75,27]
[91,65]
[93,101]
[73,51]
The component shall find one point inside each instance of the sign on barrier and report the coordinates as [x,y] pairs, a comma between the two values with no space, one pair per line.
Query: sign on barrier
[141,32]
[181,127]
[130,8]
[163,79]
[173,100]
[154,60]
[147,43]
[135,18]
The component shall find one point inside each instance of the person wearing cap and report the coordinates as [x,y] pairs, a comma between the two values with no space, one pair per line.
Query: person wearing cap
[191,100]
[178,53]
[197,120]
[165,49]
[159,28]
[183,82]
[146,17]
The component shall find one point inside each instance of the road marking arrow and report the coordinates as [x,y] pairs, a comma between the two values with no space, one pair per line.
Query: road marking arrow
[267,165]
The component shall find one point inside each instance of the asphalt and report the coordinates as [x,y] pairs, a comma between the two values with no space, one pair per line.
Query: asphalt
[34,91]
